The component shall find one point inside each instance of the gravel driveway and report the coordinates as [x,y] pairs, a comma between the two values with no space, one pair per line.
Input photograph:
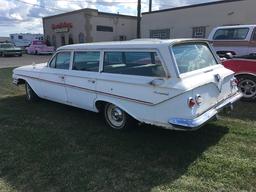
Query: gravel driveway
[6,62]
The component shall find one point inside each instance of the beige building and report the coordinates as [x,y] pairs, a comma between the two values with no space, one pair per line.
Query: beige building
[197,20]
[88,25]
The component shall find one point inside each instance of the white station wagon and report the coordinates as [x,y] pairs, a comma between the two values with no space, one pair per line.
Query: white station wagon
[175,84]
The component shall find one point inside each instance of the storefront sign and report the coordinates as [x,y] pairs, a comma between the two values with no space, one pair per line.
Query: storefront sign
[61,27]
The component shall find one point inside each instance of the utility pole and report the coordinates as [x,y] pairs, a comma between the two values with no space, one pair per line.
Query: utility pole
[150,6]
[138,18]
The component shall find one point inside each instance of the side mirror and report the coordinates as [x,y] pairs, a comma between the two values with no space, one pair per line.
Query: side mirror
[222,59]
[228,55]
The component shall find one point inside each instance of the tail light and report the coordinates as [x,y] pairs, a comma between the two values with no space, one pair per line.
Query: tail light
[191,102]
[199,99]
[233,82]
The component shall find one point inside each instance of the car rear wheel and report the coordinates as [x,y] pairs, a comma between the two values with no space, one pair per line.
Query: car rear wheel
[30,94]
[116,118]
[247,85]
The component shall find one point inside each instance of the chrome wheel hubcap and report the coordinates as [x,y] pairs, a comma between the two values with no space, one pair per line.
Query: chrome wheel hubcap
[115,116]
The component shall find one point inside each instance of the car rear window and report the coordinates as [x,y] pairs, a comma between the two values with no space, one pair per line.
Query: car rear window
[231,34]
[193,56]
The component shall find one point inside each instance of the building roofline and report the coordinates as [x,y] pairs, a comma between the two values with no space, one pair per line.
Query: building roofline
[89,9]
[192,6]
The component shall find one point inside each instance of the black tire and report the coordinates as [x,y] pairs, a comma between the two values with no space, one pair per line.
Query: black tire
[116,118]
[247,85]
[30,94]
[36,53]
[20,55]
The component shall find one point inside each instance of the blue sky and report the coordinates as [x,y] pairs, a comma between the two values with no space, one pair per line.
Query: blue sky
[22,16]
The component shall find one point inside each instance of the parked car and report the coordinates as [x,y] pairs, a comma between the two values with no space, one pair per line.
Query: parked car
[238,40]
[245,72]
[175,84]
[8,49]
[39,47]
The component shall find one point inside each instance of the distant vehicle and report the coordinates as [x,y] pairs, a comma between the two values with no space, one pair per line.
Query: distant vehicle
[39,47]
[8,49]
[176,84]
[238,40]
[245,72]
[25,39]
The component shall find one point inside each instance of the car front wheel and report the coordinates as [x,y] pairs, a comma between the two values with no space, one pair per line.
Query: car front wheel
[116,118]
[30,94]
[247,85]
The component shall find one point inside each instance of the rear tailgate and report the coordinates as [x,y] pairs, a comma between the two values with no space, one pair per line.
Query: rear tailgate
[201,72]
[215,87]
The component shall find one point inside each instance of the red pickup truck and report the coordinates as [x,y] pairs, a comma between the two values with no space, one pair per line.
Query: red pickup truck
[245,69]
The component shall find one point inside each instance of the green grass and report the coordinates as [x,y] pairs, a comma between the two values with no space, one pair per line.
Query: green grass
[45,146]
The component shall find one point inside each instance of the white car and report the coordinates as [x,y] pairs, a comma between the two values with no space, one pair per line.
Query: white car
[176,84]
[239,40]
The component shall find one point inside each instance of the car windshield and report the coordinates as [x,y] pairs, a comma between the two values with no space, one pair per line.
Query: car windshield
[7,46]
[193,56]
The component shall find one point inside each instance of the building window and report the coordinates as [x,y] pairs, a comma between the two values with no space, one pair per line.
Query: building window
[122,38]
[48,41]
[104,28]
[54,40]
[70,39]
[199,32]
[160,34]
[20,37]
[63,41]
[81,38]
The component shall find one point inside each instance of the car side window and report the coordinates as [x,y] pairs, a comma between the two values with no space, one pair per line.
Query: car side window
[133,63]
[61,60]
[86,61]
[254,35]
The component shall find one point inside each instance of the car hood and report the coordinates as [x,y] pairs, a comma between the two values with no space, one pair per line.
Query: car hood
[12,49]
[33,67]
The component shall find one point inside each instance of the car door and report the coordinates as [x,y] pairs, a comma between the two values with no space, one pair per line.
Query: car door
[136,76]
[53,77]
[252,44]
[82,79]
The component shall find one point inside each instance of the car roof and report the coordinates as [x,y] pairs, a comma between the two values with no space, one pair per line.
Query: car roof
[235,26]
[136,43]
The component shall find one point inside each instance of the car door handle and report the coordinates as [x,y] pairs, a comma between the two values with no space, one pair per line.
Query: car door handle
[91,81]
[62,77]
[156,82]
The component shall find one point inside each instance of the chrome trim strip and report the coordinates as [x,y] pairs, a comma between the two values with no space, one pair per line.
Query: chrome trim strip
[90,90]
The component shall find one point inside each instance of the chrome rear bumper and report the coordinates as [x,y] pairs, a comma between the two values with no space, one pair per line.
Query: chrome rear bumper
[205,117]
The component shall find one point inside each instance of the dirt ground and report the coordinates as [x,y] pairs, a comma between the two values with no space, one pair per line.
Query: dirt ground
[16,61]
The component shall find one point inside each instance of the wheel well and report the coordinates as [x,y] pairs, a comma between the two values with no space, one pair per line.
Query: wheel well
[245,74]
[100,105]
[21,82]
